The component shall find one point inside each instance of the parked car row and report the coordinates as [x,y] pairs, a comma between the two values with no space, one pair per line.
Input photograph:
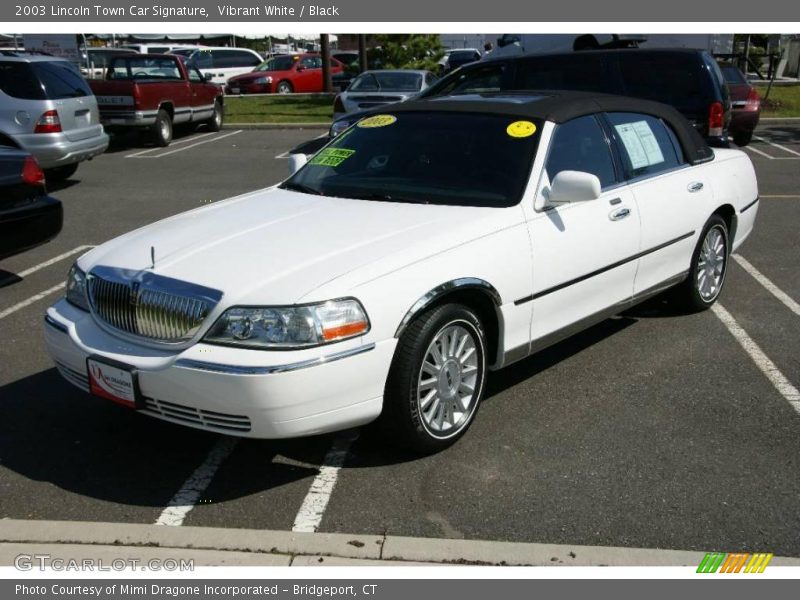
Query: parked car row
[689,80]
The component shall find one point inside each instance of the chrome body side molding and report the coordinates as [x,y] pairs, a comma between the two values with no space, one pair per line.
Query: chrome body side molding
[520,352]
[446,288]
[199,365]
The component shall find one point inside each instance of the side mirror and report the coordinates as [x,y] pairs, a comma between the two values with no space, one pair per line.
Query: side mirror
[296,161]
[573,186]
[208,76]
[300,68]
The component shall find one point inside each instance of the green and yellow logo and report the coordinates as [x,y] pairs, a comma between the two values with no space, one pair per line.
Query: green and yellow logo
[737,562]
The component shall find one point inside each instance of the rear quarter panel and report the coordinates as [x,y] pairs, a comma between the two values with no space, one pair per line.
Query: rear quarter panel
[734,182]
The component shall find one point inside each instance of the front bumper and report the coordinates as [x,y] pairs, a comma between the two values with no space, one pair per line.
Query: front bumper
[248,393]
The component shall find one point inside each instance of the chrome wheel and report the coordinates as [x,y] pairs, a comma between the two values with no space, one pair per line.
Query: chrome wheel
[449,381]
[165,130]
[217,115]
[711,264]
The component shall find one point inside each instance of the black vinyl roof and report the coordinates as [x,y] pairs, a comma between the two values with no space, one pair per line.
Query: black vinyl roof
[562,106]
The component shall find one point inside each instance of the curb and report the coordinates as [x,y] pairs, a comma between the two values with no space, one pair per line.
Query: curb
[250,546]
[779,119]
[324,126]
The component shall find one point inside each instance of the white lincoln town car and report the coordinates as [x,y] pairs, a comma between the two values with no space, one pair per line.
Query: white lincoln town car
[425,246]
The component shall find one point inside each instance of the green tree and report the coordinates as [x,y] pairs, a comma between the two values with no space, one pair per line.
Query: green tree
[406,51]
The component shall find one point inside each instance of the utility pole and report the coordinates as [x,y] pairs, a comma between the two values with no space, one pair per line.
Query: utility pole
[362,52]
[327,82]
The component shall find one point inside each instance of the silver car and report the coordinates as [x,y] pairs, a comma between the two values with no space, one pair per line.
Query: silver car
[48,109]
[374,88]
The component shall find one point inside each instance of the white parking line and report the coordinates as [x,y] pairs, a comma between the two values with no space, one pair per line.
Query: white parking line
[176,143]
[44,264]
[768,285]
[762,361]
[312,510]
[774,145]
[220,137]
[781,196]
[757,151]
[32,299]
[282,155]
[194,487]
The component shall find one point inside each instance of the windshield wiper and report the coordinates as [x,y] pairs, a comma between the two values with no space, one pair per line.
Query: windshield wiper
[382,196]
[301,187]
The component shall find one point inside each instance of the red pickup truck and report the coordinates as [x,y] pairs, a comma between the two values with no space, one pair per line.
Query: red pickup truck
[156,91]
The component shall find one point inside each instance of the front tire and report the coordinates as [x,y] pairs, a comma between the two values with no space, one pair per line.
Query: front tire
[436,381]
[742,139]
[708,267]
[60,173]
[284,87]
[162,129]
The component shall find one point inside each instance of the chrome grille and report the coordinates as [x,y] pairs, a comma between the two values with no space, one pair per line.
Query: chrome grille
[149,305]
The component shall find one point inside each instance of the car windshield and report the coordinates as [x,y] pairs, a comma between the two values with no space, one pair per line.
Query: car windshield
[387,82]
[732,75]
[277,63]
[42,80]
[445,158]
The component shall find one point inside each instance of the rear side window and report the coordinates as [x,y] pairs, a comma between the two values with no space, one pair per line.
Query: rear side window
[647,145]
[61,79]
[676,79]
[234,58]
[580,145]
[582,72]
[18,80]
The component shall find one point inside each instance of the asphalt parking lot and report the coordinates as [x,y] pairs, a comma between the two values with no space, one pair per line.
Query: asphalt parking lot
[652,429]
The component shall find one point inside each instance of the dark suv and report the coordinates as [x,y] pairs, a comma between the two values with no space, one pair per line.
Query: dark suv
[689,80]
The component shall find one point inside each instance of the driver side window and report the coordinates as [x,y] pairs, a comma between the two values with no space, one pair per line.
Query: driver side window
[581,145]
[195,76]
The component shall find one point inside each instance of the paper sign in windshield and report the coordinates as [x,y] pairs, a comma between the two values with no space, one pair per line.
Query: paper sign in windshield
[641,144]
[331,157]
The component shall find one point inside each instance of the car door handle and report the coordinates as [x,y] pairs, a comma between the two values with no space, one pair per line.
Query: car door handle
[695,187]
[619,214]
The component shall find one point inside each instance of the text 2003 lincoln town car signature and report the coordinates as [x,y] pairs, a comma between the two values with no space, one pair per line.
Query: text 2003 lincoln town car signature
[419,249]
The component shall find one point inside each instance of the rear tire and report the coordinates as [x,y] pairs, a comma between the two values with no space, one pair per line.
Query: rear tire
[215,122]
[162,128]
[708,268]
[436,381]
[60,173]
[742,139]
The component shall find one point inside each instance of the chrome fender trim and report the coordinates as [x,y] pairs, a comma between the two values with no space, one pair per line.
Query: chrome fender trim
[446,288]
[199,365]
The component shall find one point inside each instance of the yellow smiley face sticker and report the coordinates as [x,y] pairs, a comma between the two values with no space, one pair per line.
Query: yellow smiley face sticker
[378,121]
[521,129]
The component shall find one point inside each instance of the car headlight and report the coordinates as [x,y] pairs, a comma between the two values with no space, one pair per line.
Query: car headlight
[262,80]
[290,327]
[76,288]
[338,127]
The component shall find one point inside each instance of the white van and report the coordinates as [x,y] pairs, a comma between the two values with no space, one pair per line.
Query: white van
[156,48]
[222,63]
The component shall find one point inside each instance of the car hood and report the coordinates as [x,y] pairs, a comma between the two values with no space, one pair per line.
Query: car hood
[275,246]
